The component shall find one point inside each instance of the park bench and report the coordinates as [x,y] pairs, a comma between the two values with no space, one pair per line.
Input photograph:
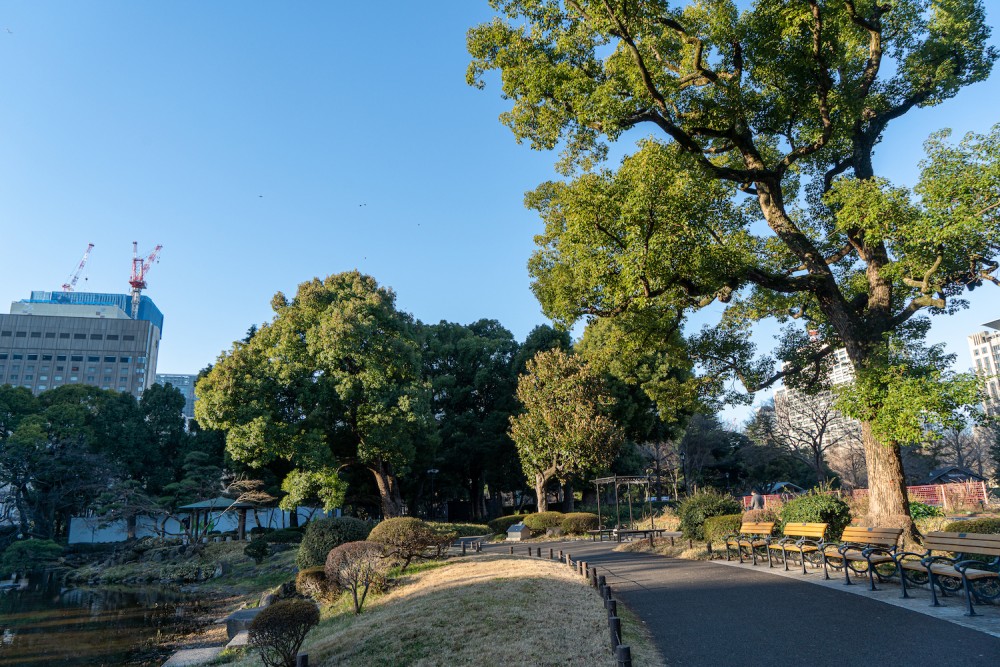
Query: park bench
[960,556]
[752,535]
[876,547]
[804,539]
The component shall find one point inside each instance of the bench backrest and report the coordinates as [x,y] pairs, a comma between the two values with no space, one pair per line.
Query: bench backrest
[756,527]
[814,530]
[970,543]
[883,537]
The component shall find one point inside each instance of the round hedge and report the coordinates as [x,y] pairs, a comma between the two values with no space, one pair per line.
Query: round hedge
[577,523]
[323,535]
[543,520]
[695,509]
[312,583]
[500,525]
[717,527]
[277,631]
[406,538]
[985,526]
[818,508]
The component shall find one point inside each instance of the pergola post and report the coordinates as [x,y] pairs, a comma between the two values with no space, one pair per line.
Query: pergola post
[600,519]
[618,513]
[241,529]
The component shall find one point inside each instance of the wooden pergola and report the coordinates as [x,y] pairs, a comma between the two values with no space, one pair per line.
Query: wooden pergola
[628,482]
[205,508]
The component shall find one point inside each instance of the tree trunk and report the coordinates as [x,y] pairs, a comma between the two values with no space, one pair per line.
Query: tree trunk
[130,524]
[388,489]
[887,500]
[568,499]
[543,501]
[293,518]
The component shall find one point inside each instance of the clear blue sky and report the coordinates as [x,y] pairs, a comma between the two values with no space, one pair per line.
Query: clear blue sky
[264,143]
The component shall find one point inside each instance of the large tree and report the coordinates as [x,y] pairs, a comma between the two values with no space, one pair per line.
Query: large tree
[757,189]
[565,428]
[332,380]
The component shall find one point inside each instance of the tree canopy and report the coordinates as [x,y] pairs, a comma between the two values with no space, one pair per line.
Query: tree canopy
[757,189]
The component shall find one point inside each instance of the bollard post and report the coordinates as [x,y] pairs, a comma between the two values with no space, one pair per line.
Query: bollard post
[302,660]
[607,591]
[612,607]
[512,551]
[539,552]
[623,655]
[569,559]
[550,554]
[593,577]
[560,554]
[463,548]
[650,540]
[529,552]
[601,582]
[615,627]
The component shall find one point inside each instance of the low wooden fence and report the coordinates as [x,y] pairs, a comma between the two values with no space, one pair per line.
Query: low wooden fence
[945,496]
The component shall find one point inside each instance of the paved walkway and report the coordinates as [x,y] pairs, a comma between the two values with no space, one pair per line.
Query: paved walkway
[706,613]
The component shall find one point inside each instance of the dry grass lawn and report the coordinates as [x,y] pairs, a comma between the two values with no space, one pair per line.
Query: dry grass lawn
[488,610]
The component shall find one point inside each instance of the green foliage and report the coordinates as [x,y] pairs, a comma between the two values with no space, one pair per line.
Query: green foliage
[694,510]
[28,555]
[312,583]
[277,632]
[460,529]
[988,526]
[257,549]
[284,536]
[358,567]
[406,538]
[717,527]
[920,510]
[324,534]
[818,508]
[565,428]
[541,521]
[763,516]
[578,523]
[500,525]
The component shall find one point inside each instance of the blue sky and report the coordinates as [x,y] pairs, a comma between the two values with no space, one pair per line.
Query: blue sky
[264,143]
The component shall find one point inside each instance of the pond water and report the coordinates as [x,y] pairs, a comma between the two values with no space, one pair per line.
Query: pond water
[46,624]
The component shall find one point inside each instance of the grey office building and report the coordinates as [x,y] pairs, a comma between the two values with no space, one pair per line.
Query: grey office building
[57,338]
[183,384]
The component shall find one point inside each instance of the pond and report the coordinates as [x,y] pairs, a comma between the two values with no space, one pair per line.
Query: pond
[47,624]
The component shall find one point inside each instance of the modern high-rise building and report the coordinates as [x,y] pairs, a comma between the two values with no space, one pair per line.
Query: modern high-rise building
[984,347]
[183,384]
[57,338]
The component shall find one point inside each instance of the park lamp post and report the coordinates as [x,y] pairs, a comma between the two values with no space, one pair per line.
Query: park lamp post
[432,472]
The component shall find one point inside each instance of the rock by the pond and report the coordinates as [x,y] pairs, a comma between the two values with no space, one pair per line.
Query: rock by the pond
[239,621]
[241,639]
[193,656]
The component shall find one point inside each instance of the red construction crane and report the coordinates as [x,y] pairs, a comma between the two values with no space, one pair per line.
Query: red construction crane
[71,281]
[139,269]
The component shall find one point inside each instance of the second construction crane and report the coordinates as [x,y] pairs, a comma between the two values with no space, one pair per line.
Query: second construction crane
[140,268]
[75,276]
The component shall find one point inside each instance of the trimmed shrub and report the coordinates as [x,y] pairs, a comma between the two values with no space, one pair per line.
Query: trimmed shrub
[28,555]
[357,567]
[717,527]
[325,534]
[500,525]
[983,526]
[766,514]
[261,530]
[461,529]
[284,536]
[577,523]
[406,538]
[695,509]
[258,549]
[312,583]
[543,520]
[818,508]
[277,631]
[920,510]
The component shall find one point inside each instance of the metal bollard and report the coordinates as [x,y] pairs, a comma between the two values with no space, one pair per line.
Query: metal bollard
[302,660]
[512,551]
[560,554]
[601,582]
[612,607]
[529,552]
[550,554]
[615,628]
[463,548]
[607,591]
[539,552]
[623,655]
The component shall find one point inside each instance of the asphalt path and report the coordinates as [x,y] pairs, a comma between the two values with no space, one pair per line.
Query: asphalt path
[702,613]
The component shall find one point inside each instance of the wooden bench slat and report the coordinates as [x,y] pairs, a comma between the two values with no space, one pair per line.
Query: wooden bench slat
[976,545]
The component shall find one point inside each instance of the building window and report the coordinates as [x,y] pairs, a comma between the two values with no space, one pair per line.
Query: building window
[46,357]
[125,360]
[58,378]
[76,357]
[50,334]
[111,337]
[128,337]
[79,336]
[36,334]
[75,369]
[3,356]
[72,378]
[18,356]
[90,378]
[13,377]
[42,387]
[59,368]
[43,377]
[140,360]
[5,334]
[64,335]
[91,369]
[93,358]
[32,357]
[96,337]
[106,380]
[61,357]
[109,360]
[20,334]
